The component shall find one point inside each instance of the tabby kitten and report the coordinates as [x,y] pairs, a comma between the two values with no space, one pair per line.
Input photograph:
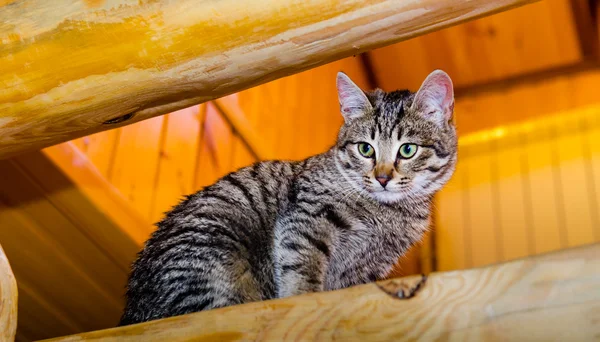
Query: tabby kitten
[337,219]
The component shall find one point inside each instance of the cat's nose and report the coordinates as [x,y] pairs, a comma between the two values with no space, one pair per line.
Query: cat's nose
[383,180]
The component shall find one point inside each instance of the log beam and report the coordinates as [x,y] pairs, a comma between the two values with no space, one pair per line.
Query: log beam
[548,297]
[69,68]
[8,300]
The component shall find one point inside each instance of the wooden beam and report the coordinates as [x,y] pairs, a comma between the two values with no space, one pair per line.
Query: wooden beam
[584,13]
[534,77]
[547,297]
[95,65]
[8,300]
[70,238]
[237,119]
[369,70]
[134,229]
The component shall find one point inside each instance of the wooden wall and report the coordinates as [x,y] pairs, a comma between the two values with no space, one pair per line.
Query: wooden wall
[154,162]
[524,40]
[529,98]
[531,184]
[69,257]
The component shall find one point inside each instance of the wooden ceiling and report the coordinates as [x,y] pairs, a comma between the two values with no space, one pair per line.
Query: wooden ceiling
[525,40]
[528,62]
[69,251]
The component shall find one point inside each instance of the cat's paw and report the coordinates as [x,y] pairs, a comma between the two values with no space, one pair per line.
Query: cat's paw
[403,288]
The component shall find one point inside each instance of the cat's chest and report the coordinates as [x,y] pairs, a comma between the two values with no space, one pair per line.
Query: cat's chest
[363,253]
[375,219]
[380,232]
[369,229]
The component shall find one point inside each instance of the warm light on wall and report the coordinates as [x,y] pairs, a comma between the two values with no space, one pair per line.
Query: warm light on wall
[522,189]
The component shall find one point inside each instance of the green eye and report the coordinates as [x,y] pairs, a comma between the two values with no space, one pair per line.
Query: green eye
[407,151]
[366,150]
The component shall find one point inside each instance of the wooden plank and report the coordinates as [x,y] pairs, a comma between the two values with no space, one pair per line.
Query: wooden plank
[39,317]
[592,136]
[259,104]
[9,298]
[71,237]
[177,162]
[522,300]
[545,176]
[290,128]
[452,219]
[485,50]
[538,95]
[241,155]
[541,179]
[553,204]
[231,111]
[585,16]
[575,185]
[546,202]
[483,235]
[158,65]
[50,258]
[100,148]
[214,159]
[512,215]
[295,115]
[369,70]
[135,165]
[73,203]
[105,197]
[25,200]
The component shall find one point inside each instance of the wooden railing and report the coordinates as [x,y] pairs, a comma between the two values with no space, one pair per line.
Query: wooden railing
[548,297]
[8,300]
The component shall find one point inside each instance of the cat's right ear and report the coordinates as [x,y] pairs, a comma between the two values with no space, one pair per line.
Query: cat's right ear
[435,98]
[353,101]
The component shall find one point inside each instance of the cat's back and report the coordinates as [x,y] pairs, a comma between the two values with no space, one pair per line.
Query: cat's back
[216,240]
[248,200]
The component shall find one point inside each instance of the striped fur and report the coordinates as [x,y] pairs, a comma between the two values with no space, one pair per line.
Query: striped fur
[277,228]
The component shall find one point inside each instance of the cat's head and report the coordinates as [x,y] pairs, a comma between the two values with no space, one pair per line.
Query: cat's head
[397,146]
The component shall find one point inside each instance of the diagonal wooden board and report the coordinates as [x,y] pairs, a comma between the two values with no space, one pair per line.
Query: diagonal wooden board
[550,297]
[69,68]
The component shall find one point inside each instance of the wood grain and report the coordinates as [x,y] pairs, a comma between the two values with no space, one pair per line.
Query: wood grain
[66,72]
[488,49]
[299,115]
[231,111]
[215,154]
[177,162]
[522,189]
[70,238]
[550,297]
[104,196]
[8,300]
[136,163]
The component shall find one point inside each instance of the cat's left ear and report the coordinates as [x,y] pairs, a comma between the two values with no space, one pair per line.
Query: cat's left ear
[435,98]
[353,101]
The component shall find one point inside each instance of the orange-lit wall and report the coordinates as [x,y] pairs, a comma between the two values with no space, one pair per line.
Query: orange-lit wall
[155,162]
[489,49]
[522,189]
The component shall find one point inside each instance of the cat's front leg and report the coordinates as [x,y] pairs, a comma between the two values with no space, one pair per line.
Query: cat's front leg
[301,257]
